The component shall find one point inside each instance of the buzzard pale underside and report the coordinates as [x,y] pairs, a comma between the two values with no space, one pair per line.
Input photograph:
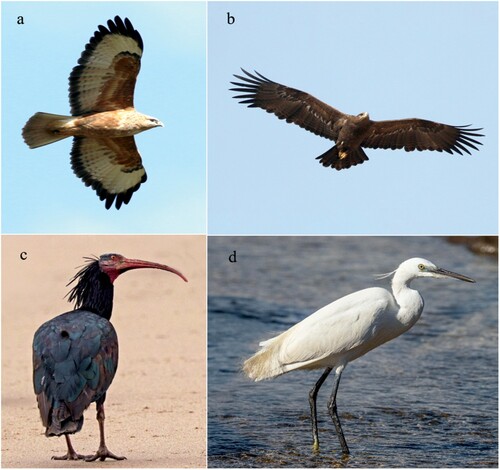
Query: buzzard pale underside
[104,120]
[350,133]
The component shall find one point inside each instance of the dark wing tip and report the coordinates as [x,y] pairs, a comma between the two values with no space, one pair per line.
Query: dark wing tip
[256,79]
[117,26]
[91,181]
[465,139]
[248,86]
[118,199]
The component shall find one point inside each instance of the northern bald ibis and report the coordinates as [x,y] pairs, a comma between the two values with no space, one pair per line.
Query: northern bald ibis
[75,355]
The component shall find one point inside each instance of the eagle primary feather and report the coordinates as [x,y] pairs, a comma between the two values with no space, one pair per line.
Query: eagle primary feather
[350,133]
[104,120]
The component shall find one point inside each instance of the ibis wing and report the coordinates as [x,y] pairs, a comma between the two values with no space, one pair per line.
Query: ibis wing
[419,134]
[106,75]
[75,356]
[287,103]
[112,167]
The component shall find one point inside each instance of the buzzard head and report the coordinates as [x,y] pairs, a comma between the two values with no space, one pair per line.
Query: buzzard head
[140,122]
[150,122]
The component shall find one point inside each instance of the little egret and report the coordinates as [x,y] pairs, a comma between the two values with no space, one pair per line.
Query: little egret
[344,330]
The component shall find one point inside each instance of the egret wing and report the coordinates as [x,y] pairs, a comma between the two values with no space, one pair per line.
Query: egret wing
[336,329]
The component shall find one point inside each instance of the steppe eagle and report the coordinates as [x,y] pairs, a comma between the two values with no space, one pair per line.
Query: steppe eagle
[350,133]
[103,120]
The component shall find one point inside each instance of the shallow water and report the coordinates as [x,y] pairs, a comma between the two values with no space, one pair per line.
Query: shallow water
[426,399]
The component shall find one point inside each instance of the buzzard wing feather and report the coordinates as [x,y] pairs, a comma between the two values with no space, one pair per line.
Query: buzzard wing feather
[107,72]
[112,167]
[419,134]
[287,103]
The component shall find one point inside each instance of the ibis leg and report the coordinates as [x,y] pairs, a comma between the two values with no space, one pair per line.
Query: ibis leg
[71,454]
[102,453]
[332,408]
[312,403]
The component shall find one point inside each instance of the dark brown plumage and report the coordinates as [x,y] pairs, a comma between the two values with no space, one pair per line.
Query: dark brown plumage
[350,133]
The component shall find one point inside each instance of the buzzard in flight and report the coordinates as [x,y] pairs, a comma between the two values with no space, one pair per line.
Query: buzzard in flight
[103,120]
[350,133]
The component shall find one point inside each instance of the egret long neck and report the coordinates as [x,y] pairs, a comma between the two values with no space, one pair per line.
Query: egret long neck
[409,300]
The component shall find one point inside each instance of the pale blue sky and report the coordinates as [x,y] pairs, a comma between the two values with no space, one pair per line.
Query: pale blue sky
[40,192]
[436,61]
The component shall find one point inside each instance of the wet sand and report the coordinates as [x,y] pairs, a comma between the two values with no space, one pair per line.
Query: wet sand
[156,406]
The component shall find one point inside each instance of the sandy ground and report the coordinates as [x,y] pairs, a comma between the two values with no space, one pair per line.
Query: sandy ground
[156,406]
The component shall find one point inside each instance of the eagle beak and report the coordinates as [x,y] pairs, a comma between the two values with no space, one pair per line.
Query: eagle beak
[160,124]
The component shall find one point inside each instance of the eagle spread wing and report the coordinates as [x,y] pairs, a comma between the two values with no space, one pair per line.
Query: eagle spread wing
[112,167]
[419,134]
[288,103]
[350,133]
[105,78]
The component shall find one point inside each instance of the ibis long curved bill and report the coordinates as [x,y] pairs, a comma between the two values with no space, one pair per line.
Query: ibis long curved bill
[120,264]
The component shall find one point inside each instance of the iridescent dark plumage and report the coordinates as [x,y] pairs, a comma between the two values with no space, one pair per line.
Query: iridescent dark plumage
[75,355]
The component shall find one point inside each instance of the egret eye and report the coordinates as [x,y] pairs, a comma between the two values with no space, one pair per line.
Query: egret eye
[421,267]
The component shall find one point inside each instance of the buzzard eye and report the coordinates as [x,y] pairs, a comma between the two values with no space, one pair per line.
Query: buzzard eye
[421,267]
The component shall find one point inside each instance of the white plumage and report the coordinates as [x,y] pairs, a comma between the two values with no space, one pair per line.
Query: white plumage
[344,330]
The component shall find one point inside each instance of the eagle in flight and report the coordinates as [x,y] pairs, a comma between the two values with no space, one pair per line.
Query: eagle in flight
[103,119]
[350,133]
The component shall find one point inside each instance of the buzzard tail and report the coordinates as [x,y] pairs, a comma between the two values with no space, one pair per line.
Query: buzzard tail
[43,129]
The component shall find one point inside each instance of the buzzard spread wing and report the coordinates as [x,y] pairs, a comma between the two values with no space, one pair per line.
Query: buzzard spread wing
[105,78]
[419,134]
[112,167]
[288,103]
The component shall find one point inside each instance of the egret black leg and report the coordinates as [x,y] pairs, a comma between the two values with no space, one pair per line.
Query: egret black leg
[103,452]
[71,454]
[312,403]
[332,408]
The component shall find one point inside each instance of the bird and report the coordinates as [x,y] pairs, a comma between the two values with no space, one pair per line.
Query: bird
[350,132]
[103,119]
[343,331]
[75,354]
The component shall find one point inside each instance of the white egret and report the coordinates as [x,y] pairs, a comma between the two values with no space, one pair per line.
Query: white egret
[344,330]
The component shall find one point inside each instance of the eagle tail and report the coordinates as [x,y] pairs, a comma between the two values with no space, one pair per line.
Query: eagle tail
[351,157]
[44,128]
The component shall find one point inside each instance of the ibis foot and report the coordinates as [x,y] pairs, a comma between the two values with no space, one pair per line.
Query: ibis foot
[102,454]
[70,456]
